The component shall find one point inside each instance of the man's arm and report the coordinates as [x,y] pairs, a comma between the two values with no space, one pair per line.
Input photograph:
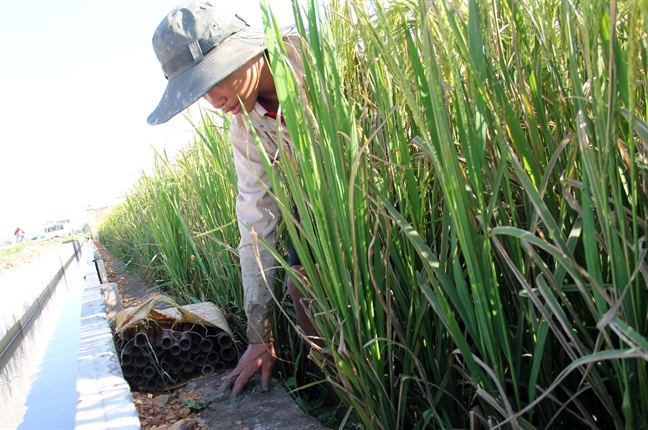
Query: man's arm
[257,212]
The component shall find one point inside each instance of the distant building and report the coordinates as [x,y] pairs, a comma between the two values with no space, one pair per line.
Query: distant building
[59,228]
[95,215]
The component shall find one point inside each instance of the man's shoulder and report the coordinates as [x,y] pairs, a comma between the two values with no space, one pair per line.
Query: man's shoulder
[293,49]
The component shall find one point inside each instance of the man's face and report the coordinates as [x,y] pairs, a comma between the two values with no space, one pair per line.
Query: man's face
[243,84]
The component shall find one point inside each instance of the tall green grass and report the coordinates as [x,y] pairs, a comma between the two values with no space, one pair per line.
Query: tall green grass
[471,178]
[177,225]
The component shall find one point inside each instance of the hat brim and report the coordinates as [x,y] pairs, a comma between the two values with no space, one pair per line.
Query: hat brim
[186,88]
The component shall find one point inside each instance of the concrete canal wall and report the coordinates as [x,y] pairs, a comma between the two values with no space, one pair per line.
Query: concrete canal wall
[104,398]
[26,290]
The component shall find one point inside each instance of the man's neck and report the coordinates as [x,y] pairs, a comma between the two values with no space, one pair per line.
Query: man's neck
[267,89]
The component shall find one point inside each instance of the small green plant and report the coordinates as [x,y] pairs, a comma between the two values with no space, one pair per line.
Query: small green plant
[192,404]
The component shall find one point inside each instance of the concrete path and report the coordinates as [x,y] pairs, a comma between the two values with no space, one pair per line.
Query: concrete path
[105,400]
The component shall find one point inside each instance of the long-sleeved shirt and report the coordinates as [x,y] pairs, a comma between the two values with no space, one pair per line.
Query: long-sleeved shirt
[256,209]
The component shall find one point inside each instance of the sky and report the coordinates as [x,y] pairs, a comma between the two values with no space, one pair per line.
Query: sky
[78,79]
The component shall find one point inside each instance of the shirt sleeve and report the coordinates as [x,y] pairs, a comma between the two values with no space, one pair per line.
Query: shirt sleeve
[257,213]
[255,207]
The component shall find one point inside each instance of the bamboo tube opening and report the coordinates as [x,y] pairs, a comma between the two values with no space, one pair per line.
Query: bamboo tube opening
[185,341]
[150,384]
[213,357]
[189,366]
[219,366]
[126,358]
[228,354]
[174,377]
[141,339]
[148,371]
[175,348]
[129,370]
[176,364]
[138,379]
[200,360]
[208,370]
[206,345]
[140,361]
[224,340]
[166,340]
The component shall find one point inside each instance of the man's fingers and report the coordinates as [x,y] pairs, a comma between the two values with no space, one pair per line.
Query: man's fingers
[266,374]
[227,382]
[238,369]
[258,358]
[235,393]
[266,379]
[243,379]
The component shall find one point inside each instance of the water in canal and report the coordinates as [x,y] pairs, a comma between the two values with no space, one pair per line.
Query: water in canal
[38,381]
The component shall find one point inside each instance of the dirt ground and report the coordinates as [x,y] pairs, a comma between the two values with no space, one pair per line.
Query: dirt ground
[13,261]
[195,406]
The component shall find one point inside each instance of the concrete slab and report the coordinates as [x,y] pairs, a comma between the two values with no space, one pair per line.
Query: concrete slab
[105,400]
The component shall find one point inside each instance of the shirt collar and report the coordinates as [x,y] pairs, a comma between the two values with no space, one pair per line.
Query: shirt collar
[260,110]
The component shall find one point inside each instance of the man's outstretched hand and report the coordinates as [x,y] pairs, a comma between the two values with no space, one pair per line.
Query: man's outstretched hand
[258,358]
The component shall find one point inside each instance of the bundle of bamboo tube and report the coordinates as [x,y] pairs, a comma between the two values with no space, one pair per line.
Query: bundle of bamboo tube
[155,354]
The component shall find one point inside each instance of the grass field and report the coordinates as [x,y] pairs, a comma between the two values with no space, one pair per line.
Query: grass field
[17,248]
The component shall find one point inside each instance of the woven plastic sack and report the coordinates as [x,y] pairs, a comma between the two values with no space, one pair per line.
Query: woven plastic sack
[204,313]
